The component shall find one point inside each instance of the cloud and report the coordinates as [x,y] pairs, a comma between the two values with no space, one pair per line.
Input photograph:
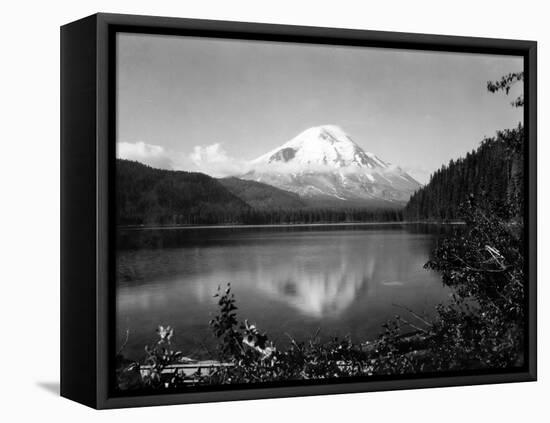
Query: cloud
[210,159]
[214,160]
[152,155]
[210,154]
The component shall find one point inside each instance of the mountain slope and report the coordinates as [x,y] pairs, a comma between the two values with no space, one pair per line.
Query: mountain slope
[324,162]
[146,195]
[262,196]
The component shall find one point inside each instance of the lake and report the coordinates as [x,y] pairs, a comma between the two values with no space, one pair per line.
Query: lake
[289,281]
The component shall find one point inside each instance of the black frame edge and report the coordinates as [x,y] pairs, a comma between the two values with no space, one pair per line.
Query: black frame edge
[105,132]
[531,121]
[78,211]
[313,390]
[297,33]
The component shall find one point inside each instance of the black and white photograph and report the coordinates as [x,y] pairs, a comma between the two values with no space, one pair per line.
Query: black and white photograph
[309,213]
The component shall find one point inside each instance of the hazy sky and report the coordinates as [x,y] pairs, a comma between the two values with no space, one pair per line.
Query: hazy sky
[210,104]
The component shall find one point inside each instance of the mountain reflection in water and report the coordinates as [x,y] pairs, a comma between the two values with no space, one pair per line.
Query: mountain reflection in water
[344,281]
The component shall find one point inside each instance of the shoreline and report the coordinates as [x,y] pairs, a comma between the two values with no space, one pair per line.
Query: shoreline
[279,225]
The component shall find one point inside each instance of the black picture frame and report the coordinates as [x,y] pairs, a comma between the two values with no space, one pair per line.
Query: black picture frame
[87,162]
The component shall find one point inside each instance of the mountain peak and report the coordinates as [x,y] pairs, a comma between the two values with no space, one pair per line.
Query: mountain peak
[325,162]
[331,133]
[324,145]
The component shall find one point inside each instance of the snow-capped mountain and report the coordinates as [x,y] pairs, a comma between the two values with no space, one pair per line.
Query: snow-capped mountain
[323,162]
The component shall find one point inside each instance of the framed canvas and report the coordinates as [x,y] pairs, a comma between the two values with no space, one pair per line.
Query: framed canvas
[258,211]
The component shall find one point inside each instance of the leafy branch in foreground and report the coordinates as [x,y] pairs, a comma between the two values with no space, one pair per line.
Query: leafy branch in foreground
[482,326]
[505,84]
[484,322]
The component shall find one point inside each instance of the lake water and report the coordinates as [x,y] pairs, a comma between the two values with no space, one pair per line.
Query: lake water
[294,280]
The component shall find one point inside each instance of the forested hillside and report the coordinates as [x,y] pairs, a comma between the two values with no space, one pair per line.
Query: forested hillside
[492,174]
[154,196]
[148,196]
[261,196]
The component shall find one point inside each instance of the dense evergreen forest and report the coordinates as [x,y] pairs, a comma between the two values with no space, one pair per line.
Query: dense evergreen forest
[493,174]
[321,215]
[148,196]
[261,196]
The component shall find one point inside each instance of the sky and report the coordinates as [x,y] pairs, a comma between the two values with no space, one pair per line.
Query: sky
[211,105]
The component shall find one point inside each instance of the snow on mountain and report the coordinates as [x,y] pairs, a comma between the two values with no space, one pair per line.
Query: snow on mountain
[326,145]
[323,162]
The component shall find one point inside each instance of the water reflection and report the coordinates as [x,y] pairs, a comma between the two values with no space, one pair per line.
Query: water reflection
[321,292]
[344,281]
